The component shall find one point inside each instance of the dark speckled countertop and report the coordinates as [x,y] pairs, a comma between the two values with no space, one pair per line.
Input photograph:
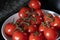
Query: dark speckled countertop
[9,7]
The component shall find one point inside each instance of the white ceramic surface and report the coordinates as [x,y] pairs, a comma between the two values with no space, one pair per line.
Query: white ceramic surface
[15,17]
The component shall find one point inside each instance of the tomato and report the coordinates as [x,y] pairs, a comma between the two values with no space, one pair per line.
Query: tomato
[23,12]
[48,17]
[17,35]
[42,27]
[39,12]
[34,14]
[9,29]
[34,4]
[36,20]
[36,36]
[32,28]
[26,26]
[56,22]
[50,34]
[18,21]
[39,20]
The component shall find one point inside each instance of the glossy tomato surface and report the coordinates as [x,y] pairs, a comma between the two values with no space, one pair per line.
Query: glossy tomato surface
[34,4]
[19,36]
[56,22]
[23,12]
[32,28]
[36,37]
[9,29]
[50,34]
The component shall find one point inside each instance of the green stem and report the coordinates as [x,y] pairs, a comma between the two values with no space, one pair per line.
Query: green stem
[43,24]
[34,19]
[20,28]
[48,25]
[36,33]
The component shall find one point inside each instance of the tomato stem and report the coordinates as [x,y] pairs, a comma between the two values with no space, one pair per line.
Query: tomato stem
[35,33]
[27,24]
[43,24]
[20,28]
[34,19]
[48,25]
[51,20]
[32,9]
[13,22]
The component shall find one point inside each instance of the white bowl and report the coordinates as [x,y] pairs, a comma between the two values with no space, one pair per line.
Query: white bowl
[15,17]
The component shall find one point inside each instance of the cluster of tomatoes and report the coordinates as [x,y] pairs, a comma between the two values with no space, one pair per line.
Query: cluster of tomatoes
[33,24]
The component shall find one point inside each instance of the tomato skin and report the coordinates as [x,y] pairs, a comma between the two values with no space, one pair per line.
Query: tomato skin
[56,22]
[50,34]
[41,28]
[34,4]
[36,37]
[9,29]
[39,12]
[25,27]
[19,36]
[19,21]
[32,28]
[37,20]
[23,12]
[34,14]
[48,17]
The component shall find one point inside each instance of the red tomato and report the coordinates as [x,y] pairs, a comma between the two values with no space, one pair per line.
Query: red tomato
[34,14]
[34,4]
[50,34]
[26,26]
[36,20]
[48,17]
[39,12]
[19,36]
[37,36]
[42,27]
[9,29]
[23,12]
[32,28]
[39,20]
[56,22]
[18,21]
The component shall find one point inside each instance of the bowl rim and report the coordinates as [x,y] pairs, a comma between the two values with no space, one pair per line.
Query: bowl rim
[17,13]
[3,25]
